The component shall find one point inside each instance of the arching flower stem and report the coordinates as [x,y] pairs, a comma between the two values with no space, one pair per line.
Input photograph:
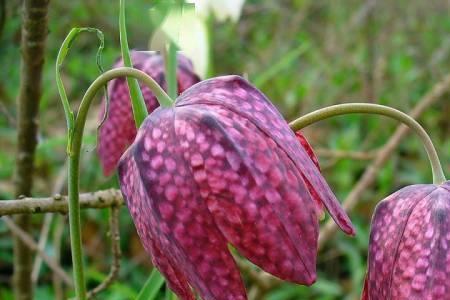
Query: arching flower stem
[74,161]
[368,108]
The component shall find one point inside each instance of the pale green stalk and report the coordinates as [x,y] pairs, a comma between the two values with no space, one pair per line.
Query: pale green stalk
[368,108]
[170,57]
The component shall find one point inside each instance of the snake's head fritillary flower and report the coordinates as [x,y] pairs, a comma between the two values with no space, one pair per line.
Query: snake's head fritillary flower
[118,131]
[409,250]
[223,167]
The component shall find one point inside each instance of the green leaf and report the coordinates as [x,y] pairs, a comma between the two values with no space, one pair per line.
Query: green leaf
[327,287]
[151,288]
[137,100]
[281,65]
[169,294]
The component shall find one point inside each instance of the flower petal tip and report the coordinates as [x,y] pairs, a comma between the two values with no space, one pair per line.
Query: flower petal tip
[347,226]
[321,193]
[311,279]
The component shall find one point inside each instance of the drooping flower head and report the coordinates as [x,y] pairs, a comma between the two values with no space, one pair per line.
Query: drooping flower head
[118,131]
[409,249]
[222,166]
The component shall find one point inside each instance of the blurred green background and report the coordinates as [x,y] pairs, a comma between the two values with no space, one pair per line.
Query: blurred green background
[303,55]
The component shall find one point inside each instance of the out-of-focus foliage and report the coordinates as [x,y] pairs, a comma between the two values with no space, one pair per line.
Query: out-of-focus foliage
[304,55]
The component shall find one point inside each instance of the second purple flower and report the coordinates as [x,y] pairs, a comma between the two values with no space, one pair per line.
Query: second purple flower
[119,130]
[409,249]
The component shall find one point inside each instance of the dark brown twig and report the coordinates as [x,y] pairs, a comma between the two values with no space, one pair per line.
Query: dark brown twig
[34,34]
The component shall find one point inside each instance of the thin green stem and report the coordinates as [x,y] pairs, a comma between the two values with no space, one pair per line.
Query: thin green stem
[367,108]
[74,163]
[75,232]
[170,57]
[170,51]
[75,226]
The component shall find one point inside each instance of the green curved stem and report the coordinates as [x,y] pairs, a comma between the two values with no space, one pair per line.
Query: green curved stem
[62,54]
[368,108]
[74,163]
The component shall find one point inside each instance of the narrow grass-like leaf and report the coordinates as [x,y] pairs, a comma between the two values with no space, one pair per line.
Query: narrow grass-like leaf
[151,287]
[171,69]
[170,295]
[137,100]
[278,67]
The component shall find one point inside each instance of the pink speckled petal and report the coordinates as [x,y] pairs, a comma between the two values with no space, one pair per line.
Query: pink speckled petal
[242,177]
[422,268]
[409,245]
[118,131]
[148,228]
[240,97]
[388,224]
[188,232]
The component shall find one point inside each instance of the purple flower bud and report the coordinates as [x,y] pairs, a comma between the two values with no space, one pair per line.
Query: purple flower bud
[119,130]
[222,166]
[409,250]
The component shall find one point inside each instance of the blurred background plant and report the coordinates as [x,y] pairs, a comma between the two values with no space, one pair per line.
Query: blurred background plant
[303,55]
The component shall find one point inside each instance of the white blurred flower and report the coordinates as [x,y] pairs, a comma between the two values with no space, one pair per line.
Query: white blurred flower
[190,34]
[190,31]
[222,9]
